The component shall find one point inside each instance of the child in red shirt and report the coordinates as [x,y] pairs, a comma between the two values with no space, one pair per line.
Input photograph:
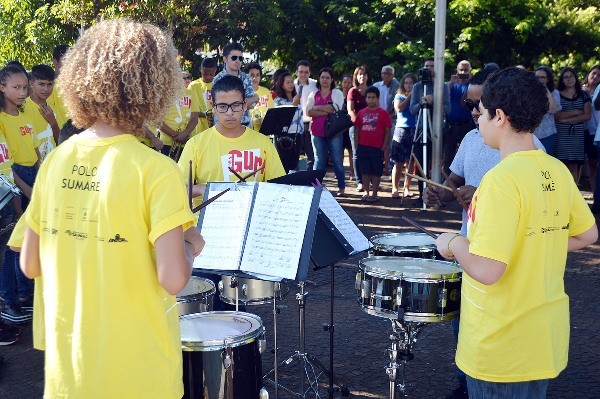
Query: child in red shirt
[372,134]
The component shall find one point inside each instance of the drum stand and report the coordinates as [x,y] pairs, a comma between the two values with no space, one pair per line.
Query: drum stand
[403,337]
[307,362]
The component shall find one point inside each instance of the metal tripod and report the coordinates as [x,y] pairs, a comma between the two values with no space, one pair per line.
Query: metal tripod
[422,134]
[310,367]
[403,337]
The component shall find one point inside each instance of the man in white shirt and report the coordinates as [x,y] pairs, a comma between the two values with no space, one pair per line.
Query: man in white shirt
[305,85]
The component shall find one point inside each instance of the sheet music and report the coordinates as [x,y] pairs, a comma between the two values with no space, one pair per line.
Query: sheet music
[224,227]
[277,229]
[343,223]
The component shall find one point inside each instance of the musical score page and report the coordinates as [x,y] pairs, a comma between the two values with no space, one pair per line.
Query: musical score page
[336,214]
[277,229]
[224,227]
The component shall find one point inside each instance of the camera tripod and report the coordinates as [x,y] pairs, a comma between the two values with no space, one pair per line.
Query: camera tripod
[421,136]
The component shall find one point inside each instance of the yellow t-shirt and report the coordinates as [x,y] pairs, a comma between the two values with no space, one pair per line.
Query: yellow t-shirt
[21,137]
[265,101]
[41,127]
[179,115]
[56,103]
[212,154]
[104,308]
[522,214]
[203,92]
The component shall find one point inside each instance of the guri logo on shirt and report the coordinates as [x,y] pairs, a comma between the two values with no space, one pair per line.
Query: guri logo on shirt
[4,152]
[185,102]
[241,161]
[25,130]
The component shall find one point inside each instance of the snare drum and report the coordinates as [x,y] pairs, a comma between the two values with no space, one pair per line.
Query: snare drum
[412,245]
[222,355]
[251,291]
[428,290]
[196,296]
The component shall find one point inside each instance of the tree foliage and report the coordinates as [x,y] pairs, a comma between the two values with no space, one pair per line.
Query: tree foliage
[338,33]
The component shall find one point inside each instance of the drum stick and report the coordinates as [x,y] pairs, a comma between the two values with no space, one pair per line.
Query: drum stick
[454,189]
[429,181]
[251,174]
[190,186]
[418,226]
[241,179]
[418,164]
[205,203]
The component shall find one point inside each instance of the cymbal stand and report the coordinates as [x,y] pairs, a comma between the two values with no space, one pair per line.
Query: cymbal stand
[403,337]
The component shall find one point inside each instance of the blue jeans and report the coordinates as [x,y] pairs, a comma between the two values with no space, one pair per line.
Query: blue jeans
[13,283]
[28,175]
[596,205]
[335,146]
[479,389]
[357,171]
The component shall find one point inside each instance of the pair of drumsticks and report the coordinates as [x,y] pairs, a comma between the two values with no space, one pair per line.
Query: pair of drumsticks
[449,187]
[205,203]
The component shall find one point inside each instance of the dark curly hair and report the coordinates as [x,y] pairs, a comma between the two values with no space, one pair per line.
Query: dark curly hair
[519,94]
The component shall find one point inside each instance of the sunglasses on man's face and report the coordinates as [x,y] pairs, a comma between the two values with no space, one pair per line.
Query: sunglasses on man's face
[236,57]
[471,105]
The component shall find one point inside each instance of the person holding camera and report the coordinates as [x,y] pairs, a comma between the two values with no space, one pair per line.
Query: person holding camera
[458,121]
[422,97]
[288,145]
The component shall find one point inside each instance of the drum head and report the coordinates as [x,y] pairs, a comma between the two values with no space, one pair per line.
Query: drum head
[399,267]
[209,331]
[403,240]
[197,286]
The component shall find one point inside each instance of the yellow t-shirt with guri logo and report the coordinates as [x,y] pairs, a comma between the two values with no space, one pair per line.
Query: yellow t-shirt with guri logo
[21,137]
[204,94]
[104,308]
[212,154]
[41,127]
[179,114]
[522,215]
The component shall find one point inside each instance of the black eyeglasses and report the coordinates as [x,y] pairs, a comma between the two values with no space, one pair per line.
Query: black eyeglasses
[236,57]
[187,77]
[471,105]
[235,107]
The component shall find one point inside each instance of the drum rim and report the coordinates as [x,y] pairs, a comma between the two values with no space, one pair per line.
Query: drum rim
[380,272]
[284,290]
[393,248]
[198,295]
[212,345]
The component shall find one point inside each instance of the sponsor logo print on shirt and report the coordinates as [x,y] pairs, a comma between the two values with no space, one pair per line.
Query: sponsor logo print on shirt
[241,161]
[4,152]
[117,238]
[77,234]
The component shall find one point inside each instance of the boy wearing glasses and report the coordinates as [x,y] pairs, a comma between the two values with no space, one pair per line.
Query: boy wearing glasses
[233,58]
[226,148]
[229,144]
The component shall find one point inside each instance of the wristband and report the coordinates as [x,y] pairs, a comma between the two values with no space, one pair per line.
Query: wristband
[449,241]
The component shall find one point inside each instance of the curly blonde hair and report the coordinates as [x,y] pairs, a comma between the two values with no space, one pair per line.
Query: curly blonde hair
[121,72]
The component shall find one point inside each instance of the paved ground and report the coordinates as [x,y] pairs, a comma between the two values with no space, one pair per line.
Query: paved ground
[361,339]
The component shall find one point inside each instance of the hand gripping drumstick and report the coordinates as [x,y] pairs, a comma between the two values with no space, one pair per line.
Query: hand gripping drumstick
[418,226]
[454,189]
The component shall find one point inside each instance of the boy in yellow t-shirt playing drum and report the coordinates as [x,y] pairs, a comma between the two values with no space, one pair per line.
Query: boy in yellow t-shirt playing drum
[524,217]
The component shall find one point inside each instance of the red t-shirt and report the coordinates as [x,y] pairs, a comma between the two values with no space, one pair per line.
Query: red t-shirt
[360,102]
[372,125]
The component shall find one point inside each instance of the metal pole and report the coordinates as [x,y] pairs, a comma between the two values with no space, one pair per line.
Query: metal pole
[438,89]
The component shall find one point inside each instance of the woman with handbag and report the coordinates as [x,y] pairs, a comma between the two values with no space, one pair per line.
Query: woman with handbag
[327,100]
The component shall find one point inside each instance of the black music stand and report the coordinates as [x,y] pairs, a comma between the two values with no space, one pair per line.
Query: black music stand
[277,120]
